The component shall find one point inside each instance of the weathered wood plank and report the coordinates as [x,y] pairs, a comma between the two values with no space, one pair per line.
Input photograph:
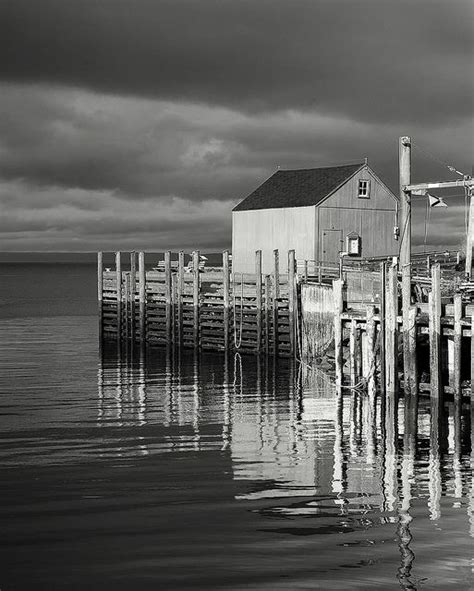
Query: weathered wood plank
[435,331]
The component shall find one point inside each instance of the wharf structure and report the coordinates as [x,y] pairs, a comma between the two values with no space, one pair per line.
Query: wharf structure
[303,310]
[324,294]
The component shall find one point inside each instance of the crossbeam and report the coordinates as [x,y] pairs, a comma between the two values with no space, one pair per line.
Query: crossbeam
[440,185]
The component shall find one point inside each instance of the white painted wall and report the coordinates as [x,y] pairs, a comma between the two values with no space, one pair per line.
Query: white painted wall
[266,229]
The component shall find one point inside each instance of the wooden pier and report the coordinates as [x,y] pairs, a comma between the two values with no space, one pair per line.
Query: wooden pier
[202,308]
[303,311]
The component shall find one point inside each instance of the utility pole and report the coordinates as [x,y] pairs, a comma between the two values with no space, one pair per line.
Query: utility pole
[409,328]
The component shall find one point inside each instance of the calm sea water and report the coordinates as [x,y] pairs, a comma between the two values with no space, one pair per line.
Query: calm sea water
[123,470]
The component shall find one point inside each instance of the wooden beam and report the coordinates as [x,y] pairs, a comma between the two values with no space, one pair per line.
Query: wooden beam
[179,297]
[100,291]
[133,287]
[168,295]
[337,287]
[370,351]
[353,352]
[118,281]
[226,302]
[439,185]
[457,346]
[258,287]
[276,296]
[267,314]
[391,333]
[409,329]
[142,296]
[470,238]
[435,331]
[292,300]
[196,283]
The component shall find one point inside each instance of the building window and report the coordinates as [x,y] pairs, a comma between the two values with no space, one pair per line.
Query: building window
[364,188]
[353,246]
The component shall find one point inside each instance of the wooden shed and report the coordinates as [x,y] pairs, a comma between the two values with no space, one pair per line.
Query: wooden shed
[318,212]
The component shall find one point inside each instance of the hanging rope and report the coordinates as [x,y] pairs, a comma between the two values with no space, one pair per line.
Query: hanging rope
[238,343]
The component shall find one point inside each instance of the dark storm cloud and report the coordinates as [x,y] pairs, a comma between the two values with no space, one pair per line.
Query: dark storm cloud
[373,60]
[140,123]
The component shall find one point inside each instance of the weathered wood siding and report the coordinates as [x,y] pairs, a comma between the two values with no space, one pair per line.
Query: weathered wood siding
[373,218]
[289,228]
[317,319]
[303,228]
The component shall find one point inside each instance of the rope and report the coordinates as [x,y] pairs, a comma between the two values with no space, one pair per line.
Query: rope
[436,159]
[237,344]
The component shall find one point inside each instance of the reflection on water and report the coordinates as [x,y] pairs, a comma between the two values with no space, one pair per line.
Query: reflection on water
[357,462]
[303,487]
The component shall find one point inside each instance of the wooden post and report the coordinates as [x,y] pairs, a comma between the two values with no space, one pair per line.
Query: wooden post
[306,270]
[133,288]
[409,330]
[226,288]
[142,296]
[118,280]
[320,272]
[337,286]
[435,331]
[179,298]
[267,314]
[100,292]
[276,296]
[411,369]
[470,236]
[391,311]
[292,301]
[383,280]
[353,352]
[472,379]
[258,287]
[457,346]
[168,295]
[370,347]
[196,283]
[126,305]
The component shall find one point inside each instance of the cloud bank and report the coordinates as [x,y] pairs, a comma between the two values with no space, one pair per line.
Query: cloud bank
[141,123]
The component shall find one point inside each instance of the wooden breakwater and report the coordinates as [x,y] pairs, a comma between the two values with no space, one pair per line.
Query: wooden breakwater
[200,307]
[302,313]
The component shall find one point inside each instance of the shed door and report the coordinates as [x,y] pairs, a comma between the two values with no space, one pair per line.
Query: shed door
[331,246]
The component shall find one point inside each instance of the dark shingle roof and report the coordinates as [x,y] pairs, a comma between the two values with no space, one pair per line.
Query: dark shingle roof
[297,188]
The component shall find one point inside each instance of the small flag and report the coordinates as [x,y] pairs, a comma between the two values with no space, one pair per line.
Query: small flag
[436,201]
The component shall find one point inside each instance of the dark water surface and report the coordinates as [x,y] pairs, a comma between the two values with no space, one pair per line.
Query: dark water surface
[158,471]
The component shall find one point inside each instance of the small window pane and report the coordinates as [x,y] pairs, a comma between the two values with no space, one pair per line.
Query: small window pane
[364,189]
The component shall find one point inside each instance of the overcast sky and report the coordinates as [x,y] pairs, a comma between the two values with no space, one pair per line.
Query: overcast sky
[139,124]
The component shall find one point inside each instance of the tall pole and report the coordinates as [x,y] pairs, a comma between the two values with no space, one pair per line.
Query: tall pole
[409,328]
[470,235]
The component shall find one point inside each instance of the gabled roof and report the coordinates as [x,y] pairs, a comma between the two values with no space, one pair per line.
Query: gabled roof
[298,188]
